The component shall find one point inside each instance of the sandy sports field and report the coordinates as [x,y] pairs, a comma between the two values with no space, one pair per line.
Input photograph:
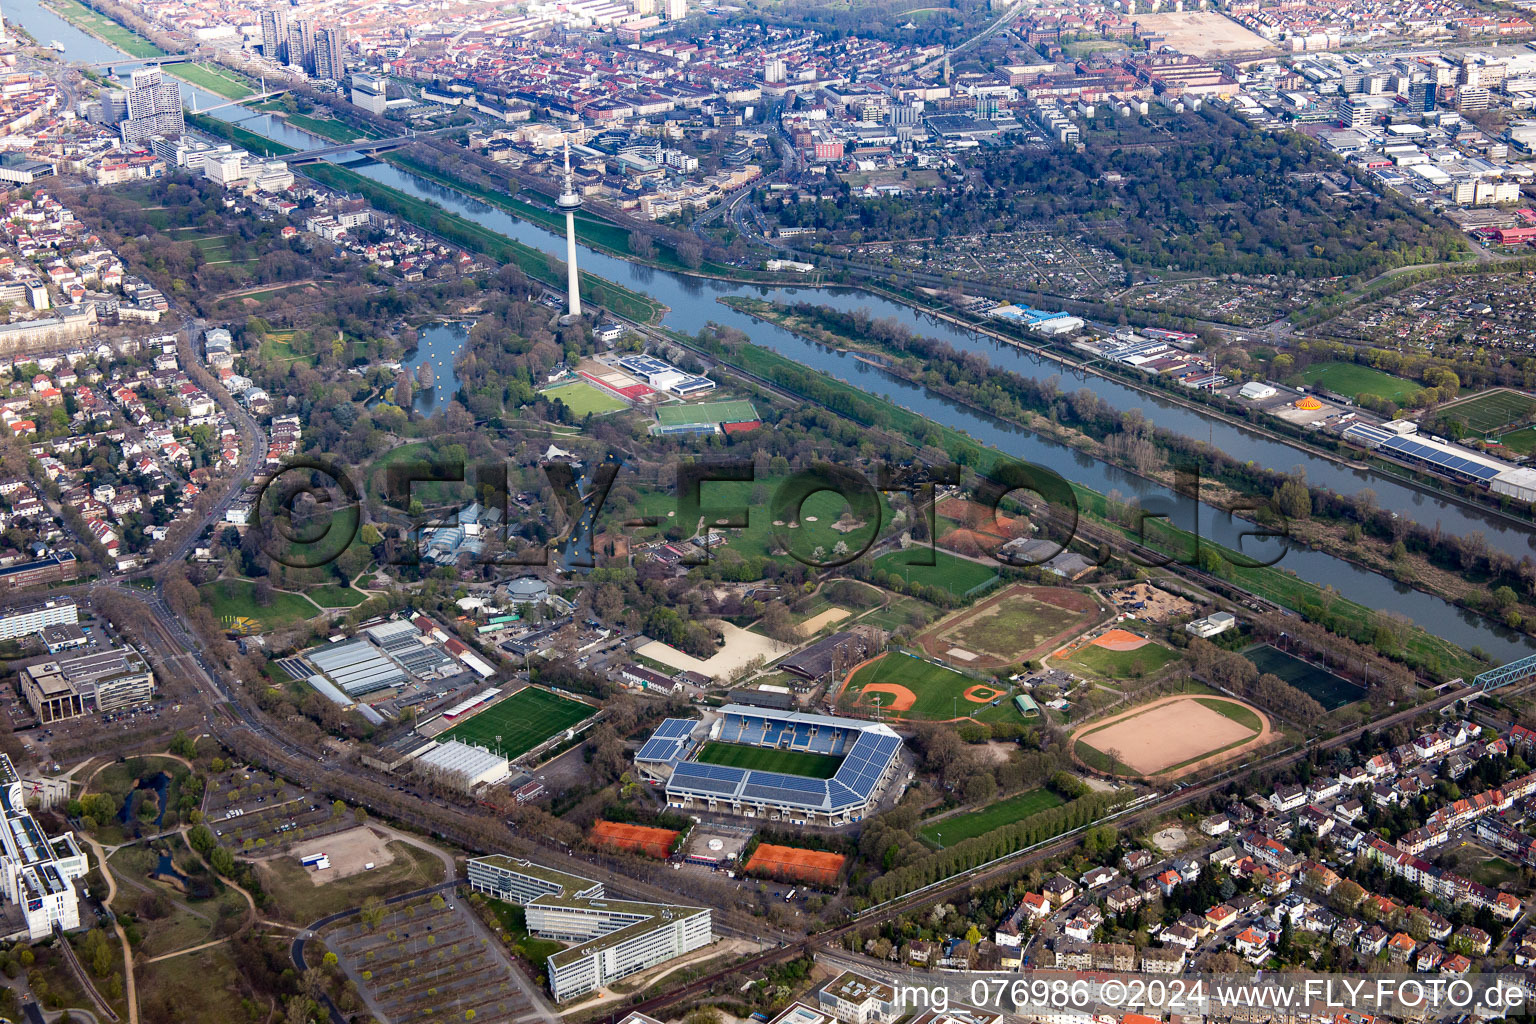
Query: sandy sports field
[348,851]
[741,648]
[1174,736]
[1203,33]
[1019,622]
[813,625]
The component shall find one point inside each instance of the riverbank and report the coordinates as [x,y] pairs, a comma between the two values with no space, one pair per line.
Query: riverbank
[103,26]
[1366,588]
[450,227]
[1270,582]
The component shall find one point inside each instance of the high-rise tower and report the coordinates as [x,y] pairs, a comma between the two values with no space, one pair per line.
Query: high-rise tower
[569,201]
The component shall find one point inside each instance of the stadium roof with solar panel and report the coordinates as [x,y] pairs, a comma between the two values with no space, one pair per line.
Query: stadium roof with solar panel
[866,754]
[1453,461]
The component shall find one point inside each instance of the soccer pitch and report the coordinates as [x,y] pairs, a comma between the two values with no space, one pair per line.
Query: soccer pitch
[707,412]
[523,721]
[583,398]
[767,759]
[1490,410]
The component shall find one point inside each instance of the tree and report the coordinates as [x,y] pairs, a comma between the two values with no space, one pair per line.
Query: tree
[372,912]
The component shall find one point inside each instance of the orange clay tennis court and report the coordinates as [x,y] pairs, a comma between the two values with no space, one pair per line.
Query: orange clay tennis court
[616,835]
[791,863]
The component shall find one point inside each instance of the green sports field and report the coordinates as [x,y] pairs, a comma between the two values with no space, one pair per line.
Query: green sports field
[960,827]
[1353,379]
[1101,661]
[1321,685]
[938,693]
[956,575]
[767,759]
[1521,441]
[706,412]
[523,721]
[582,398]
[1491,410]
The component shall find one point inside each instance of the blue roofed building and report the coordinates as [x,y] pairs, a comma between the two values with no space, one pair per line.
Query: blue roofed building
[869,752]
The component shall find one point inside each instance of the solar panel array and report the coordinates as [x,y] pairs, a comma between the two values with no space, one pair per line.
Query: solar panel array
[708,778]
[853,784]
[668,741]
[1441,456]
[1364,433]
[866,762]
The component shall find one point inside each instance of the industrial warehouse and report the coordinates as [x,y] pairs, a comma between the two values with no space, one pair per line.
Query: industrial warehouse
[870,754]
[613,938]
[1400,440]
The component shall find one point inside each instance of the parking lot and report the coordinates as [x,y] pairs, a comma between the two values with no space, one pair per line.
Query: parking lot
[250,810]
[428,956]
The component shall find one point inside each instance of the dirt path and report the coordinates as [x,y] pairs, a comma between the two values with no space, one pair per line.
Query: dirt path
[130,991]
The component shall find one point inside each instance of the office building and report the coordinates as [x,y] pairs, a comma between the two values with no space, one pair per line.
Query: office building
[612,939]
[854,999]
[28,619]
[37,874]
[330,49]
[105,682]
[154,106]
[370,92]
[274,34]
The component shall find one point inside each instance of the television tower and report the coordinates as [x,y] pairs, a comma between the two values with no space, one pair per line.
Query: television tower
[569,201]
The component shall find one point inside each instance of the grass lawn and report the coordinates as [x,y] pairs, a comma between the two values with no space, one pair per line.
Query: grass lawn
[1239,714]
[197,984]
[326,127]
[130,42]
[584,399]
[297,899]
[1016,625]
[334,596]
[939,692]
[1121,664]
[1352,379]
[719,499]
[790,762]
[233,599]
[1494,872]
[213,78]
[1522,441]
[1095,758]
[901,613]
[1487,412]
[515,920]
[523,721]
[948,572]
[960,827]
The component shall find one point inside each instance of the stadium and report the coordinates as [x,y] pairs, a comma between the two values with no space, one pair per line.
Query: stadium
[777,765]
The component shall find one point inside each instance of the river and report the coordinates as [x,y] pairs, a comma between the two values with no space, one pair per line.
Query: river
[692,305]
